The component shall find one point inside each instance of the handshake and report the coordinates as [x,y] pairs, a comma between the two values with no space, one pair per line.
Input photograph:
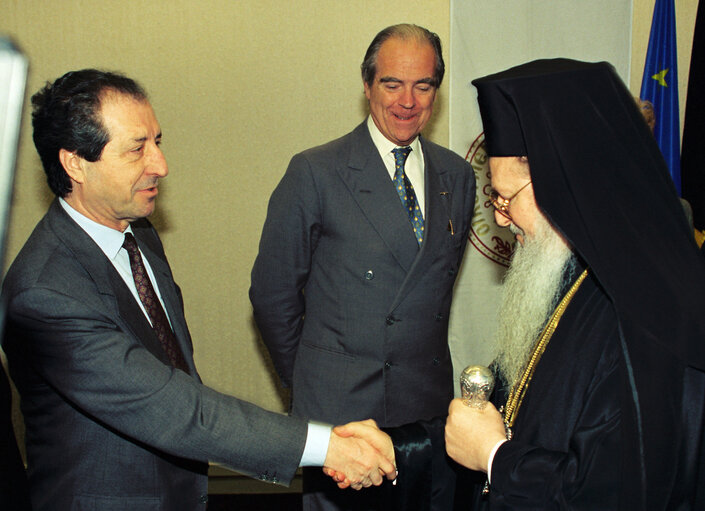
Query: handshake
[360,455]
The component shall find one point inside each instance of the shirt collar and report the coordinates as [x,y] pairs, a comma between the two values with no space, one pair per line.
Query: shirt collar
[383,144]
[109,240]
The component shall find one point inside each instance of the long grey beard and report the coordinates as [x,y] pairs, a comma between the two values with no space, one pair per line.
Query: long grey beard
[531,291]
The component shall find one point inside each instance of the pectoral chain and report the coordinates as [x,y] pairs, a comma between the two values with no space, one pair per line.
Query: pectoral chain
[516,395]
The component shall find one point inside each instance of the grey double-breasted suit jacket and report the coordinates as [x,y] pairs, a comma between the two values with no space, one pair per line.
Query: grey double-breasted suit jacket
[353,312]
[110,425]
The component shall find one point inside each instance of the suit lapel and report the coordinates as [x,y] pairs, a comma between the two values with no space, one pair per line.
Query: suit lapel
[170,296]
[112,289]
[137,324]
[435,225]
[367,179]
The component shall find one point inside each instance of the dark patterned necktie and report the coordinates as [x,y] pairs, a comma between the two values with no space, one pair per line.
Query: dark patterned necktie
[150,300]
[406,192]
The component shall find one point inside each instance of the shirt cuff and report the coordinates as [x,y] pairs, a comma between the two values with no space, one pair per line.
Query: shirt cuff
[316,447]
[489,461]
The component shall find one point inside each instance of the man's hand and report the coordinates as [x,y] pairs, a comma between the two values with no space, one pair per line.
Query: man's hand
[471,434]
[359,454]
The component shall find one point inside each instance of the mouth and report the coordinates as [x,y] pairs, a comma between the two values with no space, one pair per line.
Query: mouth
[152,190]
[404,117]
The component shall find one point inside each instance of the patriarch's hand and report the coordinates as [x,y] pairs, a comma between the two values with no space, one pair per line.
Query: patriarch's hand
[471,433]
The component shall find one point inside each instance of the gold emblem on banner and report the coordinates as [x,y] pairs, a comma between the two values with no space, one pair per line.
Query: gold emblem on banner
[492,241]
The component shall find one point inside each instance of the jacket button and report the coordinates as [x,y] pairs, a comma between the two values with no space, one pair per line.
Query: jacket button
[369,275]
[390,320]
[439,316]
[436,361]
[387,365]
[203,499]
[451,272]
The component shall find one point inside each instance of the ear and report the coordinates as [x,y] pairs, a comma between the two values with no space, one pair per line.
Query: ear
[73,165]
[367,89]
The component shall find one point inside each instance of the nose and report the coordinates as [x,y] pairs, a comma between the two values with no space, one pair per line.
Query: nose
[156,163]
[501,220]
[407,99]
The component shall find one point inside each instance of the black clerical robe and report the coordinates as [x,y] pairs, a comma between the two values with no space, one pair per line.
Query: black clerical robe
[571,447]
[566,449]
[14,492]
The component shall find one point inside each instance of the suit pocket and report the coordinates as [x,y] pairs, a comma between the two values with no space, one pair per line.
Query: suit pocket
[319,373]
[103,503]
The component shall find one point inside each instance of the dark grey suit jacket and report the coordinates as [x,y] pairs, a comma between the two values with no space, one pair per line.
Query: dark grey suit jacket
[110,425]
[354,314]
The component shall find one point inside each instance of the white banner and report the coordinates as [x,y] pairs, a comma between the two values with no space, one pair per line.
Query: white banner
[486,37]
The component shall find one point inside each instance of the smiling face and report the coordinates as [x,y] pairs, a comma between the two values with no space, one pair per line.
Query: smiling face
[401,94]
[122,185]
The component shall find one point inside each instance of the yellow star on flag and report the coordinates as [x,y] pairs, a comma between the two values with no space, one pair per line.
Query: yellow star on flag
[660,77]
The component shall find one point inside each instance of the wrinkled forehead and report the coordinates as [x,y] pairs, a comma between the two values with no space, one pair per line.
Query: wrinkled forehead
[128,117]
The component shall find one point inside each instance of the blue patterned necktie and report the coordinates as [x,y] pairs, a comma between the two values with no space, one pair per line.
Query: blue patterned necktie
[406,192]
[150,300]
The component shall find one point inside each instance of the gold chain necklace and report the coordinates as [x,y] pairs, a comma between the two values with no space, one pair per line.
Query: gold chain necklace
[516,396]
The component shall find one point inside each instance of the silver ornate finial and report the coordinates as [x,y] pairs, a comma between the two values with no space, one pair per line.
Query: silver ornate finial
[476,385]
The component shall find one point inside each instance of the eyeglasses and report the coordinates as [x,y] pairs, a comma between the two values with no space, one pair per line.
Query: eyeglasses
[500,204]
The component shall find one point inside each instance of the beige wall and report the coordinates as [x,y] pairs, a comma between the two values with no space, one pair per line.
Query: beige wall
[239,87]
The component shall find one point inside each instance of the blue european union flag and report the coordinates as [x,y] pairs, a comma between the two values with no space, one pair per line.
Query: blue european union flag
[660,85]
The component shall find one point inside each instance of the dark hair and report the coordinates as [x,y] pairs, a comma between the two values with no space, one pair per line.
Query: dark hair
[403,31]
[66,115]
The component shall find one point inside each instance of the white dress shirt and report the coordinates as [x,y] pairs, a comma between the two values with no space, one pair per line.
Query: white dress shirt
[413,168]
[110,242]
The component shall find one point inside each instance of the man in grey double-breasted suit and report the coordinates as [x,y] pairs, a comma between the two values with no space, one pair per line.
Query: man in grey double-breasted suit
[351,302]
[116,416]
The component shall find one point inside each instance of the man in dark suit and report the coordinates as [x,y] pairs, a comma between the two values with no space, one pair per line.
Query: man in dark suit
[353,282]
[116,416]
